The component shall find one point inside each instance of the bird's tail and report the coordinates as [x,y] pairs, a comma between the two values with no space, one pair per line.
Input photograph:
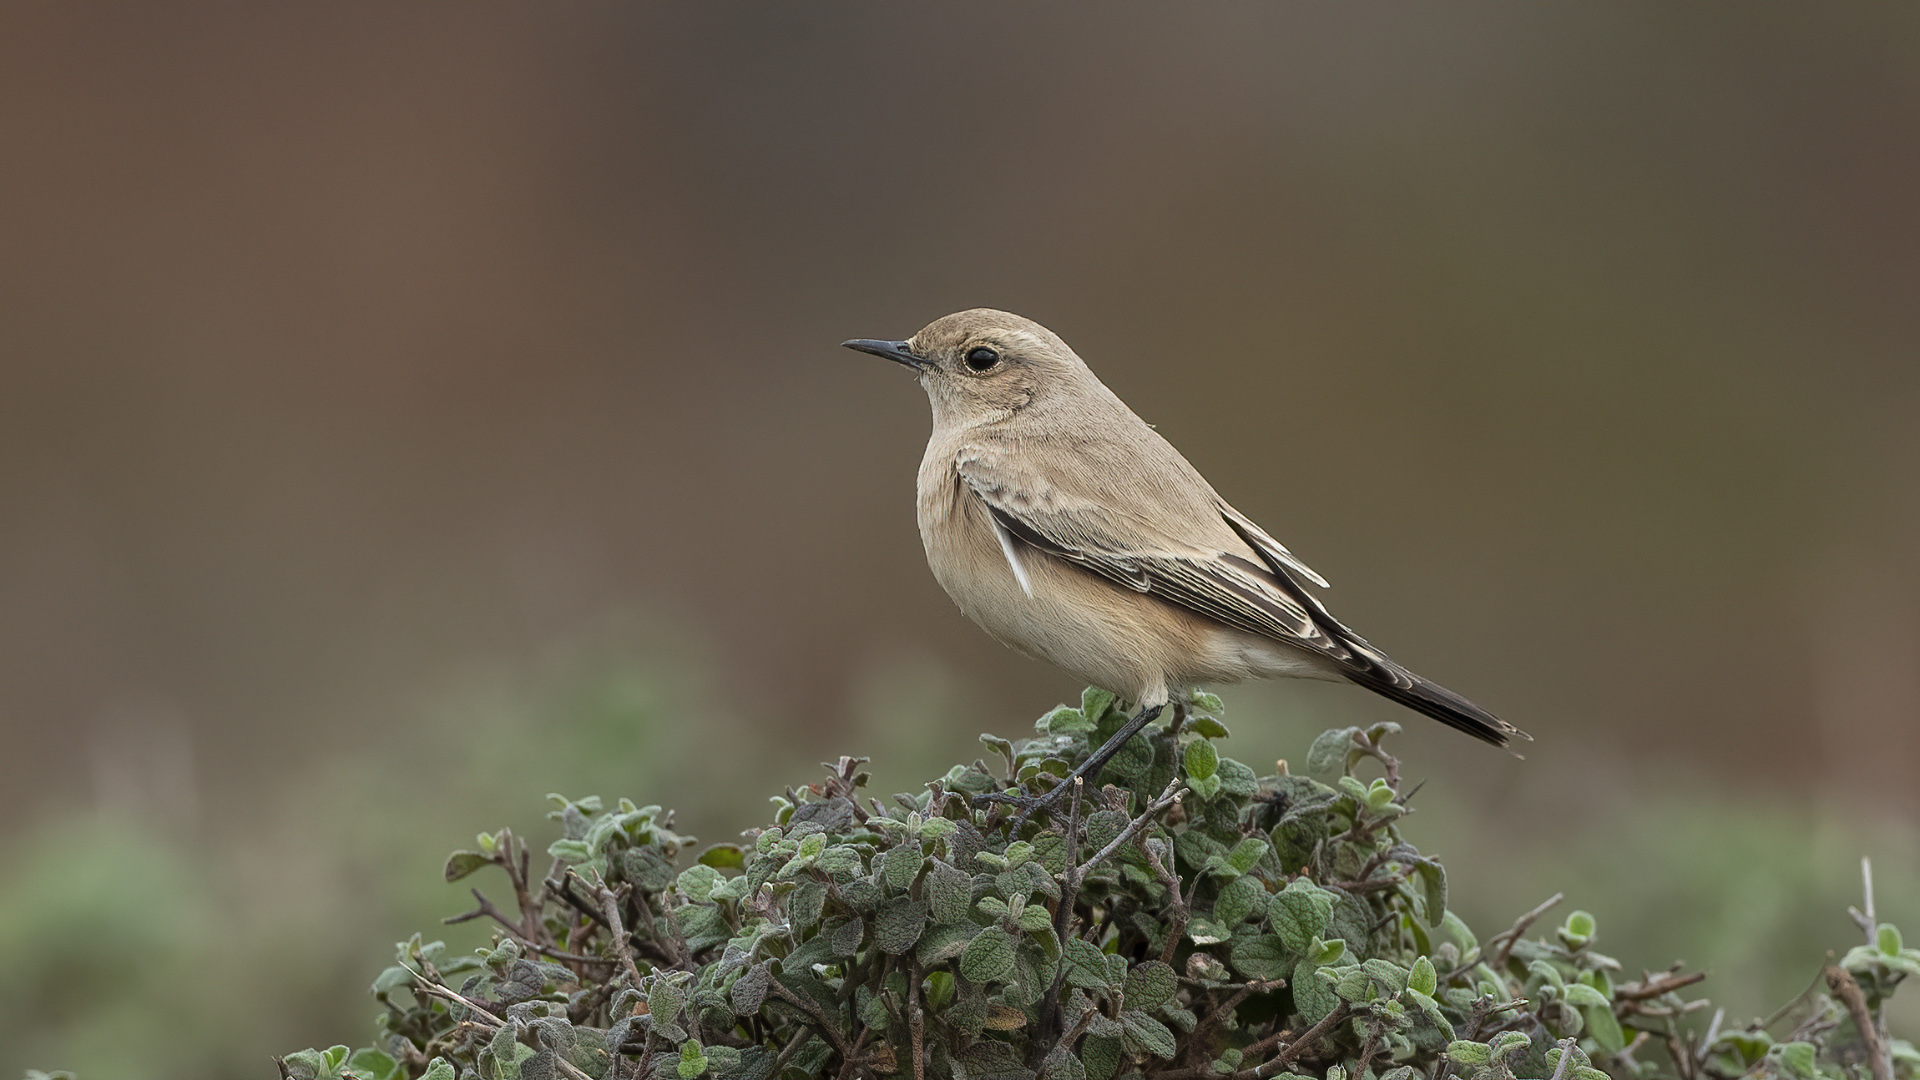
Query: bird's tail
[1388,679]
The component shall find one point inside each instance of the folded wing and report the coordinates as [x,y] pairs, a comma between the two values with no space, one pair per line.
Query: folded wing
[1132,549]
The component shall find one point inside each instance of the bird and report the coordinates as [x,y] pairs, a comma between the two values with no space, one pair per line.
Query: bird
[1069,529]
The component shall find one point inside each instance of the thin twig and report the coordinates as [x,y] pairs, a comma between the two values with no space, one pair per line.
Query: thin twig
[1167,798]
[1070,883]
[563,888]
[1842,983]
[661,943]
[1712,1032]
[1566,1059]
[1362,1066]
[1870,925]
[1177,925]
[811,1008]
[1266,1042]
[786,1052]
[1219,1015]
[1866,920]
[1656,986]
[916,1024]
[1388,763]
[1374,885]
[1062,921]
[442,991]
[487,909]
[1683,1060]
[515,860]
[1259,1072]
[852,1060]
[522,897]
[1205,1072]
[1298,1046]
[1510,937]
[610,907]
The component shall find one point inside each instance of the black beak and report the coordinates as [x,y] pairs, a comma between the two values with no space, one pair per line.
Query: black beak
[896,351]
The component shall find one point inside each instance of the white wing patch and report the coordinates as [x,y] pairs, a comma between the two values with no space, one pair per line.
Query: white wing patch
[1012,553]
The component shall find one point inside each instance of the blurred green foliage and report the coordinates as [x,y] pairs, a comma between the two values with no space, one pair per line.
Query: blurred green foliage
[142,947]
[1186,921]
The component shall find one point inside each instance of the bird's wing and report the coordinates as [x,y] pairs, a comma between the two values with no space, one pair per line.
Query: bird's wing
[1272,552]
[1200,571]
[1126,548]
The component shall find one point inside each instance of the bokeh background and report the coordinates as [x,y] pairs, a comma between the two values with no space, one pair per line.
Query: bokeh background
[409,410]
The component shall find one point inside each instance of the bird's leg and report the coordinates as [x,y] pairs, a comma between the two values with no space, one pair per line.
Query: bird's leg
[1088,770]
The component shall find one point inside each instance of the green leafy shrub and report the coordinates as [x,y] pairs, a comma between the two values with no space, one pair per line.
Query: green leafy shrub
[1189,920]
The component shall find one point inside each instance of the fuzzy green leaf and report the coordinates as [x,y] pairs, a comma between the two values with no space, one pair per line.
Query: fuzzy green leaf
[1327,758]
[1101,1054]
[1238,899]
[899,924]
[1094,703]
[1209,727]
[1262,957]
[1201,759]
[1064,720]
[1247,854]
[1086,965]
[1433,891]
[368,1063]
[1508,1042]
[665,1001]
[1312,996]
[697,882]
[692,1062]
[1797,1058]
[1034,918]
[750,989]
[988,957]
[1147,1035]
[1583,995]
[1604,1027]
[949,894]
[1464,1052]
[1300,912]
[943,943]
[1422,978]
[462,863]
[1150,985]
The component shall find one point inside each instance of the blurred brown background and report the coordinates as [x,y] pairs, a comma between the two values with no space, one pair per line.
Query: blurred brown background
[365,369]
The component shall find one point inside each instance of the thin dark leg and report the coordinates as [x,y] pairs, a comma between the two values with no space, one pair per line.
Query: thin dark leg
[1088,770]
[1092,766]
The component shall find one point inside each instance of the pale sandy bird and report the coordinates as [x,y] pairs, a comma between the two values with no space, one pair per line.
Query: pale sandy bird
[1070,530]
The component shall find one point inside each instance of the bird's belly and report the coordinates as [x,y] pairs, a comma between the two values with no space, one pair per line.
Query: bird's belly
[1132,643]
[1231,655]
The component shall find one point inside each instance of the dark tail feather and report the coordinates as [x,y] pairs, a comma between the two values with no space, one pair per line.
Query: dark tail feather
[1388,679]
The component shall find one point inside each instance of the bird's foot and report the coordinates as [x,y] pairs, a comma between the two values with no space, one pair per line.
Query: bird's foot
[1082,777]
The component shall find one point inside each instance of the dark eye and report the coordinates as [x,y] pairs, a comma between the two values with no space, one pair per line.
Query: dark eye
[981,358]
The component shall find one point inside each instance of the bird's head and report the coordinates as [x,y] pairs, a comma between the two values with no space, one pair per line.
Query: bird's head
[982,365]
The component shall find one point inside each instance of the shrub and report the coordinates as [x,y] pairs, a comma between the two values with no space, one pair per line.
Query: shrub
[1188,920]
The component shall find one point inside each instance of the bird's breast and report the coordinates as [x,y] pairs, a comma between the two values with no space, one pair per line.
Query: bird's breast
[965,555]
[1053,611]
